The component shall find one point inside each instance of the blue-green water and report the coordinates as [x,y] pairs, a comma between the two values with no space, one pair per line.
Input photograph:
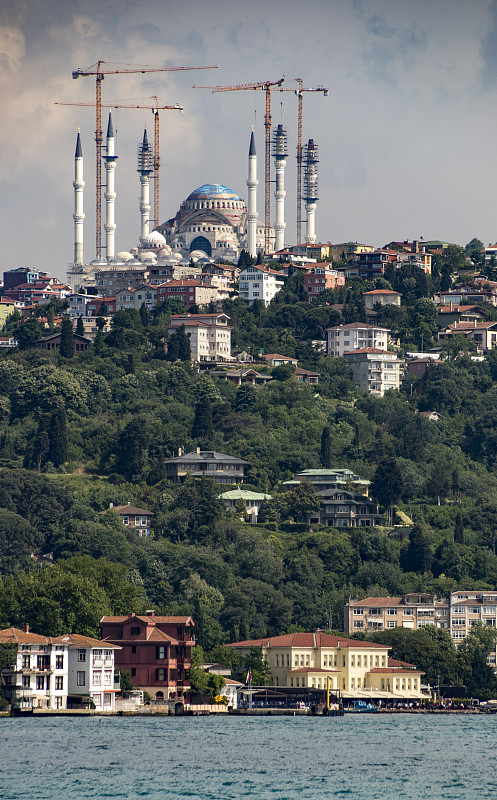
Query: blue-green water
[389,757]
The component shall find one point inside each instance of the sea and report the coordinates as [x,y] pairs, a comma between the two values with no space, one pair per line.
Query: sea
[389,757]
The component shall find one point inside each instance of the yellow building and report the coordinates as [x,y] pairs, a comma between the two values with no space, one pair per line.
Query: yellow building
[355,668]
[7,307]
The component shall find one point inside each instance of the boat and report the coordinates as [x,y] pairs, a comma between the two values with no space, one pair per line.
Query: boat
[361,707]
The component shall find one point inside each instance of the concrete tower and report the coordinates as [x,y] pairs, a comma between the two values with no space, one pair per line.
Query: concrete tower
[280,153]
[252,184]
[310,196]
[78,215]
[110,194]
[145,169]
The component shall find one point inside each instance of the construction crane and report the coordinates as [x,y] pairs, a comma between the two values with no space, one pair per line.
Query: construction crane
[155,110]
[266,86]
[300,92]
[99,71]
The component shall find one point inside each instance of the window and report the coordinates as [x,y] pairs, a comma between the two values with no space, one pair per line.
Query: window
[135,631]
[40,681]
[59,683]
[160,652]
[391,623]
[108,678]
[391,612]
[160,674]
[26,682]
[133,648]
[358,623]
[80,678]
[358,612]
[26,662]
[59,662]
[358,661]
[82,656]
[97,678]
[133,672]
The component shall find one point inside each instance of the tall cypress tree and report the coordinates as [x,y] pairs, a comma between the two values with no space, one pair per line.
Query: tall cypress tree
[326,454]
[202,424]
[80,328]
[57,453]
[66,338]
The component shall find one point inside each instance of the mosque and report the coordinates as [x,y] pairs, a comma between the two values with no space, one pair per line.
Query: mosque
[212,223]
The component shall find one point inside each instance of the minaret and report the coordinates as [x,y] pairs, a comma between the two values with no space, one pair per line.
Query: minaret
[110,195]
[310,196]
[252,184]
[280,153]
[78,215]
[145,169]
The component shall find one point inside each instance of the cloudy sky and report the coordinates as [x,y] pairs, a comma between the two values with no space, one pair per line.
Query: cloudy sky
[407,136]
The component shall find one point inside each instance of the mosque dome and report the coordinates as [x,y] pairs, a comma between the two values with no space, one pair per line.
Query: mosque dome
[154,239]
[124,255]
[212,191]
[146,255]
[196,254]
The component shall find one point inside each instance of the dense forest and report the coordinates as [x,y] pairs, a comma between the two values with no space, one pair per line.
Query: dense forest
[79,432]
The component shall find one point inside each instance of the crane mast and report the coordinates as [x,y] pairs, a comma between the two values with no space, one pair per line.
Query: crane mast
[99,71]
[266,86]
[299,92]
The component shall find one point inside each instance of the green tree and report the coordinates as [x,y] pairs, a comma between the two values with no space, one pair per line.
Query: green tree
[419,554]
[57,452]
[472,654]
[326,451]
[387,483]
[80,328]
[203,428]
[66,348]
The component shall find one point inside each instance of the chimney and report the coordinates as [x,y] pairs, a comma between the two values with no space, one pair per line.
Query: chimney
[150,613]
[111,505]
[180,451]
[198,451]
[129,502]
[25,627]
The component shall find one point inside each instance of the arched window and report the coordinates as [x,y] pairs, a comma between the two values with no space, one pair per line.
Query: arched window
[201,243]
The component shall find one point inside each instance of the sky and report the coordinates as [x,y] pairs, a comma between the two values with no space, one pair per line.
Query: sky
[406,137]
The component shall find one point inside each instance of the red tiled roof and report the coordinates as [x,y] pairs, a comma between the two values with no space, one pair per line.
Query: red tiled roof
[368,350]
[76,640]
[145,618]
[18,636]
[379,602]
[396,671]
[130,510]
[318,639]
[383,291]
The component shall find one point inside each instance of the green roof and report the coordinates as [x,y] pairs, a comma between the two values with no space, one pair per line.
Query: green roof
[244,494]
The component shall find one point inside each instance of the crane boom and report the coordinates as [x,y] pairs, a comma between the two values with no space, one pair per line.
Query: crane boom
[299,93]
[265,86]
[99,71]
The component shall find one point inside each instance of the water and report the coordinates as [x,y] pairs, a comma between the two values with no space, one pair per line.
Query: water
[389,757]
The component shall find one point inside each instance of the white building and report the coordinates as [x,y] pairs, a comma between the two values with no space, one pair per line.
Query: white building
[355,336]
[249,501]
[210,335]
[46,671]
[374,371]
[260,283]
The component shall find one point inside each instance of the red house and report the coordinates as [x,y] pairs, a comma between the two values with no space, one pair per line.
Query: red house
[156,651]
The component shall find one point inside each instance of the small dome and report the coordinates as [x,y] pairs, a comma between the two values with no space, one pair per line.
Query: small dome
[196,254]
[154,239]
[134,262]
[124,255]
[166,250]
[146,255]
[98,262]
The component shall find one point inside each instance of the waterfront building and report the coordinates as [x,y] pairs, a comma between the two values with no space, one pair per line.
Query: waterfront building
[355,668]
[155,650]
[412,611]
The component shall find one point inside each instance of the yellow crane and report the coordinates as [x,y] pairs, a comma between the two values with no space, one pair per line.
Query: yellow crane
[300,96]
[155,110]
[99,71]
[266,86]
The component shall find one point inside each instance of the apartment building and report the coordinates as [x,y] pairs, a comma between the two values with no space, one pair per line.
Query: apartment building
[260,283]
[206,464]
[320,278]
[210,335]
[354,336]
[374,371]
[355,668]
[324,479]
[410,611]
[469,607]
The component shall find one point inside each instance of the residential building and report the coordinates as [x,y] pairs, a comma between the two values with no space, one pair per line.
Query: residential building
[59,672]
[138,519]
[355,668]
[210,335]
[457,313]
[342,509]
[346,251]
[90,327]
[465,295]
[412,611]
[135,298]
[249,502]
[111,277]
[7,307]
[483,334]
[8,341]
[260,283]
[374,263]
[21,275]
[320,278]
[276,359]
[467,608]
[190,291]
[355,336]
[374,371]
[239,376]
[81,344]
[307,376]
[155,650]
[206,464]
[382,297]
[325,479]
[95,305]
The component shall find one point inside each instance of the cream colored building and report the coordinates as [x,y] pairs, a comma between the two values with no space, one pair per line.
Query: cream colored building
[354,668]
[374,371]
[355,335]
[210,335]
[382,613]
[467,608]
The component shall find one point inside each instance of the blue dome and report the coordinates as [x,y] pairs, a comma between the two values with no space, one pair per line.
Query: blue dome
[213,191]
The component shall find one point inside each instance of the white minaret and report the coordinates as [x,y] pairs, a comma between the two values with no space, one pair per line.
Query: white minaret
[145,169]
[252,184]
[110,194]
[310,158]
[78,215]
[280,153]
